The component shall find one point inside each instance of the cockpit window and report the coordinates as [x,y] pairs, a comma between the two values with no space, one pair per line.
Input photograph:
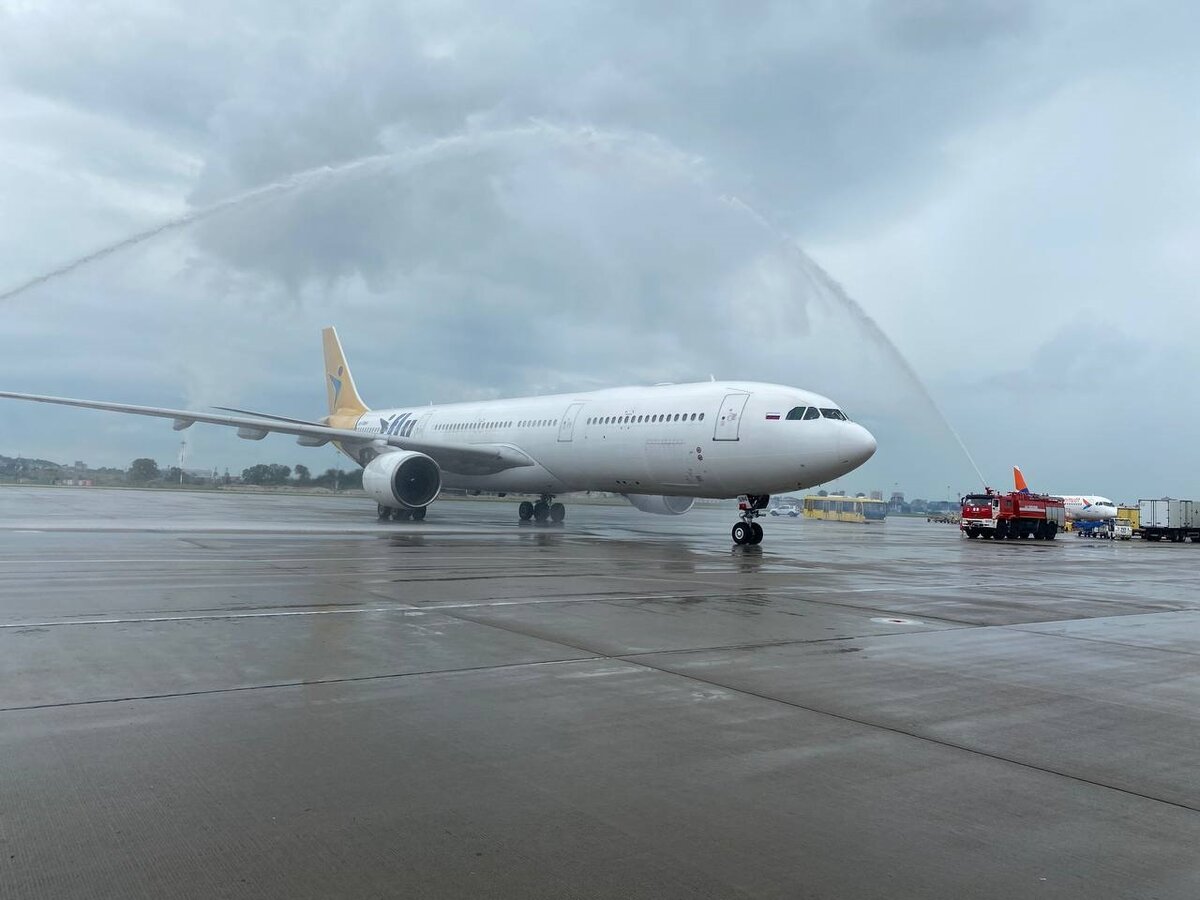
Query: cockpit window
[797,413]
[812,413]
[834,414]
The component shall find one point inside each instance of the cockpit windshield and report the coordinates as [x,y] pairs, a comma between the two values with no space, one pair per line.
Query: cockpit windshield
[834,414]
[797,413]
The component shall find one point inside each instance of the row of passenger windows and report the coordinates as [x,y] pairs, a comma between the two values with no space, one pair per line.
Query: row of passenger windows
[812,412]
[637,420]
[550,423]
[799,412]
[487,426]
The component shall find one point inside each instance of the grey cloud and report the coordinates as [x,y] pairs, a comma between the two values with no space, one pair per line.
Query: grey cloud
[964,25]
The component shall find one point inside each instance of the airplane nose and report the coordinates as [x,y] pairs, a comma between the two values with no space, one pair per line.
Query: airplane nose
[858,445]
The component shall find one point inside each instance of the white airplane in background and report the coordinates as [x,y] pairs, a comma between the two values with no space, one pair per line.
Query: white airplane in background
[1085,508]
[661,447]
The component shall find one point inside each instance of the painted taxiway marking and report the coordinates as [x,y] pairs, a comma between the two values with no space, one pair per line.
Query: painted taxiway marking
[407,610]
[410,610]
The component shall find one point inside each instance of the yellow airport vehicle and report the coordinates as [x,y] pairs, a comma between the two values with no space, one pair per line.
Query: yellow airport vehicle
[1130,515]
[839,508]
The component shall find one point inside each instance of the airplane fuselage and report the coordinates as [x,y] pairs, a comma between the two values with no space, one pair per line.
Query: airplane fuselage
[1088,508]
[708,439]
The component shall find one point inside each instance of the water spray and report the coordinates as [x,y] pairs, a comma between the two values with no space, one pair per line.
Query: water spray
[474,142]
[823,281]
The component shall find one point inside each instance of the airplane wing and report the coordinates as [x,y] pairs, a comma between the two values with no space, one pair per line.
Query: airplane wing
[462,459]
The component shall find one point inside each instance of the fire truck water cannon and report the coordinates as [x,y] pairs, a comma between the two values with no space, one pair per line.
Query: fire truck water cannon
[1012,516]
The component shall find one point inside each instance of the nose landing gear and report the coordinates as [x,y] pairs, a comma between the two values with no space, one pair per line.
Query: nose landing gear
[747,531]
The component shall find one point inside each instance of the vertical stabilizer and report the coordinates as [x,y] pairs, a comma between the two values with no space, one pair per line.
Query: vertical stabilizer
[339,383]
[1019,481]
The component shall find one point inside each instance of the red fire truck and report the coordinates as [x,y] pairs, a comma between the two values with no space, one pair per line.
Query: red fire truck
[1012,516]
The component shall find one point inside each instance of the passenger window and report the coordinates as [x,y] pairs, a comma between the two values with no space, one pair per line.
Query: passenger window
[701,416]
[797,413]
[812,413]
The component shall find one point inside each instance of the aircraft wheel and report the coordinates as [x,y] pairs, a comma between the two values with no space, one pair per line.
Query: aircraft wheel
[401,515]
[756,533]
[558,512]
[418,514]
[525,511]
[541,511]
[384,512]
[742,533]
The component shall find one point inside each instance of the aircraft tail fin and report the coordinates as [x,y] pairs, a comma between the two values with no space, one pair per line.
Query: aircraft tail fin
[1019,481]
[339,383]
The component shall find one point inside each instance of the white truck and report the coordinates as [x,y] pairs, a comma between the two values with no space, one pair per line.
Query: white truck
[1169,519]
[1119,530]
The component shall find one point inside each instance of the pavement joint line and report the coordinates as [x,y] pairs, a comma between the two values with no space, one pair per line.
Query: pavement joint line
[350,679]
[630,658]
[1026,629]
[917,736]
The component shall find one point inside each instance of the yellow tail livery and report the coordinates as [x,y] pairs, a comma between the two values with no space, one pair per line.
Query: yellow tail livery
[345,406]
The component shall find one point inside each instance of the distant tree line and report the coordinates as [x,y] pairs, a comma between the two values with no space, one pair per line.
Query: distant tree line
[147,471]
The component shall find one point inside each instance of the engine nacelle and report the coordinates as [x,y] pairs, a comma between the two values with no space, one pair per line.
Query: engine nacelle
[660,504]
[403,478]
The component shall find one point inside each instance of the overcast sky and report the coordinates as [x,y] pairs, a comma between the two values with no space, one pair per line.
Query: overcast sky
[496,199]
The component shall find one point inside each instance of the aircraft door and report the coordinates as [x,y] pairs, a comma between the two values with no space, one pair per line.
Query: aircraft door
[566,428]
[729,420]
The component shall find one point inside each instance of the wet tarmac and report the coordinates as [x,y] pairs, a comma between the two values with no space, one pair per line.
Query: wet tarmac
[213,695]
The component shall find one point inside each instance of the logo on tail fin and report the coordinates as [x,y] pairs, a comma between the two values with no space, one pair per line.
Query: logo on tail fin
[336,381]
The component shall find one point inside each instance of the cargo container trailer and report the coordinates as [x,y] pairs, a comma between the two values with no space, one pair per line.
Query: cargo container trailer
[1169,519]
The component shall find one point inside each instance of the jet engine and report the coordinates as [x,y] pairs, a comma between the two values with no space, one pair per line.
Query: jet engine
[403,478]
[660,504]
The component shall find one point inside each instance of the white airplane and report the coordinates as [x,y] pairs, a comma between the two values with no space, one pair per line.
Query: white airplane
[661,447]
[1089,508]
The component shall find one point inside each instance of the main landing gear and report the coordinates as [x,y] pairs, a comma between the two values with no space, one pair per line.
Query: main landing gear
[542,511]
[747,531]
[402,514]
